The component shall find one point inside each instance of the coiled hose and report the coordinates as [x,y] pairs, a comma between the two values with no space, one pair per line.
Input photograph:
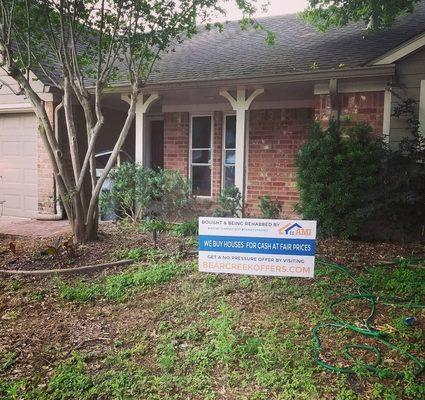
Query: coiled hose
[366,330]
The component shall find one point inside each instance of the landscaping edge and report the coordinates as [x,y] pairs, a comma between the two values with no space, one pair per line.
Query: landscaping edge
[74,270]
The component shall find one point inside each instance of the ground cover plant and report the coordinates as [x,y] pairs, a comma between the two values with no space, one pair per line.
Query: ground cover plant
[162,330]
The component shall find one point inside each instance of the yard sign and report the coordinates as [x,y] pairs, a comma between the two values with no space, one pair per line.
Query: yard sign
[269,247]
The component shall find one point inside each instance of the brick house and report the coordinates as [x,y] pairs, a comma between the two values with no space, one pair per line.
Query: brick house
[226,109]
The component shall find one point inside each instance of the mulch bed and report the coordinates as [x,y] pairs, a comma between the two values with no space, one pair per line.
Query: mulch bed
[28,254]
[28,250]
[359,253]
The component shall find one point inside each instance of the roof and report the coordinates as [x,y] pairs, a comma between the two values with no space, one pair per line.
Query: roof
[234,53]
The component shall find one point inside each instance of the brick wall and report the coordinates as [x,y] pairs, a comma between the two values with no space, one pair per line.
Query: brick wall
[367,106]
[45,180]
[176,141]
[274,138]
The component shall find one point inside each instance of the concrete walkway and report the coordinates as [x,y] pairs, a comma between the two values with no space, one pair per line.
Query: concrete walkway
[32,227]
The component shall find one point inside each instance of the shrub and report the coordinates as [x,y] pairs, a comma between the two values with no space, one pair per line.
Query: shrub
[229,203]
[187,228]
[395,207]
[335,169]
[129,183]
[269,208]
[135,192]
[150,225]
[175,193]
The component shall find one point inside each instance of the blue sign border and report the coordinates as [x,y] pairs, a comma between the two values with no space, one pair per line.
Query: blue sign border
[255,245]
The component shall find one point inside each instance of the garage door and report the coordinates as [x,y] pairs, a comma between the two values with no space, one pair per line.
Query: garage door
[18,164]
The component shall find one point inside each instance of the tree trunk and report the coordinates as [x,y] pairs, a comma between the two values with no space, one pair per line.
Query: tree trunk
[83,232]
[73,171]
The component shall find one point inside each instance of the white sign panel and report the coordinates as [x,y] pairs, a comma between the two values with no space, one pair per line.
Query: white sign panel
[257,246]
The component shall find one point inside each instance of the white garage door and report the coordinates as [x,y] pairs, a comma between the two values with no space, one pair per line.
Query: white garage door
[18,164]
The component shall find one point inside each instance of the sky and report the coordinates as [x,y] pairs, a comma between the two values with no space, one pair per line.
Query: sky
[277,7]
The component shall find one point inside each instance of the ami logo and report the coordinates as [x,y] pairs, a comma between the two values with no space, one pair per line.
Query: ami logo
[294,229]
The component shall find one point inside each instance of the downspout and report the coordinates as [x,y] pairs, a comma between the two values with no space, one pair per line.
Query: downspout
[59,213]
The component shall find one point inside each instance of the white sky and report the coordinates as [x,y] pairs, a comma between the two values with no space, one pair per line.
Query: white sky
[277,7]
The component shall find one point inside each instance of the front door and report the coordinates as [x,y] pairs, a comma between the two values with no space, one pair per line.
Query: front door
[157,144]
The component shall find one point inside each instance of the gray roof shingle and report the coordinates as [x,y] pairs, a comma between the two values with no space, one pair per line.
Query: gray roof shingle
[236,54]
[233,53]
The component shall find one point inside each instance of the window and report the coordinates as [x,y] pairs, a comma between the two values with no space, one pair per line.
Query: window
[229,150]
[201,156]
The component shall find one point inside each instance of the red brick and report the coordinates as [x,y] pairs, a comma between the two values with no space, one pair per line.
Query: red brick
[274,138]
[366,107]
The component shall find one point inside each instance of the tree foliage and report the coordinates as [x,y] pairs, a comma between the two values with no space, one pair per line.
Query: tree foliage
[376,14]
[81,48]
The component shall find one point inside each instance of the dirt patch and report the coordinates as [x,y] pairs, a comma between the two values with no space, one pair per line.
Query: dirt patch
[172,330]
[28,253]
[359,253]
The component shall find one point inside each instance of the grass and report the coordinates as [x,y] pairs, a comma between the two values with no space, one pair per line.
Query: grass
[138,254]
[179,334]
[7,359]
[119,287]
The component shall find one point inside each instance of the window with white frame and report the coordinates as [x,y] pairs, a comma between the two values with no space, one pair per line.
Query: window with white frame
[200,155]
[229,151]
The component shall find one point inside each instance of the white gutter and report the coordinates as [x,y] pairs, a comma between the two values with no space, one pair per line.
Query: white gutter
[9,108]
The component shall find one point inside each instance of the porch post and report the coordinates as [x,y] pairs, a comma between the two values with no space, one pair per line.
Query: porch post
[141,108]
[422,108]
[240,104]
[334,96]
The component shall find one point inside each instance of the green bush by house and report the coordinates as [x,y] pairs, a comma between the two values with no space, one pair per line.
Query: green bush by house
[335,168]
[136,191]
[353,184]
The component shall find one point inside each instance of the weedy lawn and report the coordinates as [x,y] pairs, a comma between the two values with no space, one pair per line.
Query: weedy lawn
[166,331]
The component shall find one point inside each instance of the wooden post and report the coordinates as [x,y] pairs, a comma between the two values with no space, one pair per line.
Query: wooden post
[141,108]
[334,97]
[241,105]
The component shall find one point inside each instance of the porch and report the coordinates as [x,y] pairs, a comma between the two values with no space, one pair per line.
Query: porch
[245,135]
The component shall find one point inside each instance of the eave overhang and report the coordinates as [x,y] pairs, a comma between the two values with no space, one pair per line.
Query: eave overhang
[343,73]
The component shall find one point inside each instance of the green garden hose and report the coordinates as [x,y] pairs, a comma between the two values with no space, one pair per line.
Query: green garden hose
[365,329]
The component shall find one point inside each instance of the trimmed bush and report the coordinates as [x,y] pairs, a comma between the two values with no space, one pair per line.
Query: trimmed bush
[136,192]
[336,168]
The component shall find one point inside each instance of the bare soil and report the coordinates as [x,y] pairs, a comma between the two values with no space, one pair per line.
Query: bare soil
[43,330]
[28,253]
